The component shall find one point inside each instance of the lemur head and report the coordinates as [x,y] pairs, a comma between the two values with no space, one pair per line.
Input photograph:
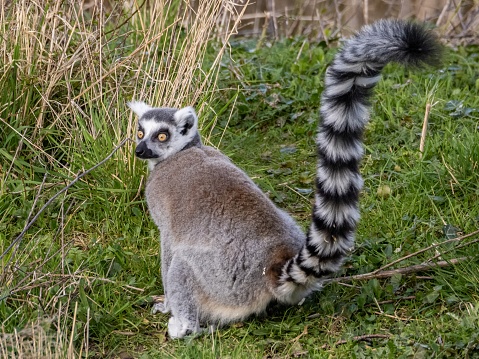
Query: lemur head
[162,132]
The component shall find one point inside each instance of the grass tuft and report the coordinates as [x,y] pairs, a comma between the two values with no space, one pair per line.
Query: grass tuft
[46,337]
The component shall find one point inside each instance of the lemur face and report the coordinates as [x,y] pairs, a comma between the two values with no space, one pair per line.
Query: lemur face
[162,132]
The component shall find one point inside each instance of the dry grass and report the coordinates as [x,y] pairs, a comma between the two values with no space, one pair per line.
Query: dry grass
[457,20]
[69,62]
[67,72]
[40,339]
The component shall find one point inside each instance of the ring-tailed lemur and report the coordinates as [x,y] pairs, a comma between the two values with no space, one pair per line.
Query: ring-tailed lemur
[226,249]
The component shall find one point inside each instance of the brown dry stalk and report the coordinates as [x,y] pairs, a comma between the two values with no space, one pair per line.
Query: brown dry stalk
[403,270]
[409,297]
[452,249]
[67,45]
[47,279]
[100,279]
[38,339]
[358,338]
[457,239]
[424,129]
[71,350]
[122,63]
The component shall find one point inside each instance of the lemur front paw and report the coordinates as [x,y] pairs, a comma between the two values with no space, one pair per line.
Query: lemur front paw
[160,305]
[178,329]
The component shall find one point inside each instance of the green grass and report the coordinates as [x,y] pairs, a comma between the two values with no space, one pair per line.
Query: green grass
[91,259]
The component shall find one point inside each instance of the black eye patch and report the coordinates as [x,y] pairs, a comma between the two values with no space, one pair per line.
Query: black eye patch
[162,135]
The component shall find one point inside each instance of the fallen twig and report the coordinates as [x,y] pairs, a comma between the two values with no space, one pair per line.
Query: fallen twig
[50,281]
[358,338]
[409,297]
[403,270]
[453,249]
[382,273]
[106,280]
[457,239]
[33,220]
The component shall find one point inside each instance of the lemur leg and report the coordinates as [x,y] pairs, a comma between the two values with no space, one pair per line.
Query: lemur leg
[182,300]
[162,306]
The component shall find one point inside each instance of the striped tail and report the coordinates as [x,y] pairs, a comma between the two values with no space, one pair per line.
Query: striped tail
[349,84]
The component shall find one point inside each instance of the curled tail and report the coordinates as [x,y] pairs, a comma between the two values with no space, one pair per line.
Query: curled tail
[349,84]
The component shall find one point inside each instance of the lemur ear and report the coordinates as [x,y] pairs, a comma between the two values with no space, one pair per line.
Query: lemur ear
[139,107]
[186,118]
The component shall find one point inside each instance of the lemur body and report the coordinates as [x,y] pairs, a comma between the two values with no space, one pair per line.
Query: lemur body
[226,250]
[198,237]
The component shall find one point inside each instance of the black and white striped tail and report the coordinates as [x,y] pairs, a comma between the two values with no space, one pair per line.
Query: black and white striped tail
[349,84]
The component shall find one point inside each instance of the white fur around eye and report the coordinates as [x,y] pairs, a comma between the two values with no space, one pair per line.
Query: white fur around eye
[149,127]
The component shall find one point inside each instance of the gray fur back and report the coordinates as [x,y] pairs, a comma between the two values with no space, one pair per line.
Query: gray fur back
[235,261]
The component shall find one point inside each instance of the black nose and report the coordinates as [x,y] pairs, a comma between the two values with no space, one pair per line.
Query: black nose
[142,151]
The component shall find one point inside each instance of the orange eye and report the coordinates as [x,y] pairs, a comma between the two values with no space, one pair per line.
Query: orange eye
[140,134]
[162,137]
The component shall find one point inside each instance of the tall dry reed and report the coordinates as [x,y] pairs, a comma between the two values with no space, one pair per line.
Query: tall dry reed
[66,73]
